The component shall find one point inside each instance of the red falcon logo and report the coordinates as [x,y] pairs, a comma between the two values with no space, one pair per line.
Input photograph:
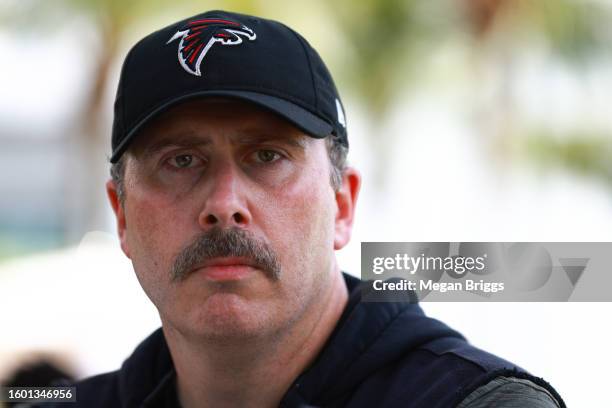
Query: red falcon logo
[198,36]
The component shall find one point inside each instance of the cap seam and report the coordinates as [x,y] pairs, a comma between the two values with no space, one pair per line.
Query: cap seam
[302,43]
[123,92]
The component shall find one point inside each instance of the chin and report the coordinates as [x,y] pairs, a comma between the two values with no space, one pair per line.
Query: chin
[227,316]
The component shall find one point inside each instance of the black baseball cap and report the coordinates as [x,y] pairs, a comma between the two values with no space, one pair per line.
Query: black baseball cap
[225,54]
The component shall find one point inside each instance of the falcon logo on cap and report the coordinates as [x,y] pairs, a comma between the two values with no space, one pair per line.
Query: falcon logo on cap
[198,36]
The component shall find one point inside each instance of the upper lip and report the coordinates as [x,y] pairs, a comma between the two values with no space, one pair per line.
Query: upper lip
[227,261]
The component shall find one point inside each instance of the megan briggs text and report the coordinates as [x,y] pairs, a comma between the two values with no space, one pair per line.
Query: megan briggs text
[468,285]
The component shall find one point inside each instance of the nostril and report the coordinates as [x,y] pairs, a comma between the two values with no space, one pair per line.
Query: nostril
[238,218]
[211,219]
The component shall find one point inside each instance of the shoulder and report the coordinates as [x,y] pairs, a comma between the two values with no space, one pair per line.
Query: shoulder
[510,392]
[406,359]
[466,376]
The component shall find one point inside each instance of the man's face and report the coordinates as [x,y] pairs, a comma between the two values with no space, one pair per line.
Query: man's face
[224,171]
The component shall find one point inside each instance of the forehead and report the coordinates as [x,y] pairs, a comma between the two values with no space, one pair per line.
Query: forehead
[212,118]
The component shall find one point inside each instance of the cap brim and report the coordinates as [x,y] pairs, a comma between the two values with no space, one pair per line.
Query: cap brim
[303,119]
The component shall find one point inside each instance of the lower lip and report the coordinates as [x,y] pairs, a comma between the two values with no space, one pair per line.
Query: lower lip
[227,272]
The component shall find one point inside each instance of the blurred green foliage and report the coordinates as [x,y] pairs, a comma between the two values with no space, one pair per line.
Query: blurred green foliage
[573,28]
[387,38]
[587,154]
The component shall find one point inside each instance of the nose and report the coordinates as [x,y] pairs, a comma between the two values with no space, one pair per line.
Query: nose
[225,205]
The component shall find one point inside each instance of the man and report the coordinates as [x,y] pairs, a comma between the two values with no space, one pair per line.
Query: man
[231,194]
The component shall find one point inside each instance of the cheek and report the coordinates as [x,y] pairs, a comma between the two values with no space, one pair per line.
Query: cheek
[152,228]
[153,215]
[300,220]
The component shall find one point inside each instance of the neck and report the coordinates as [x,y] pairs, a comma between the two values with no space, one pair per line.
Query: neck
[257,372]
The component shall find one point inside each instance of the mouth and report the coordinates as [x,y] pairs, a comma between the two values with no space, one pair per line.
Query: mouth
[226,269]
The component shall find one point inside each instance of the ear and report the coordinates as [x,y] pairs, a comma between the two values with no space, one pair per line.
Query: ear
[111,191]
[346,199]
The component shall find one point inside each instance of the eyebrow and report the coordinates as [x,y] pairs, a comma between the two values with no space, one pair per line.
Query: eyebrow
[181,140]
[191,140]
[299,142]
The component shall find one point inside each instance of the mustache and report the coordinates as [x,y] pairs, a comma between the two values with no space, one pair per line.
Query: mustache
[217,243]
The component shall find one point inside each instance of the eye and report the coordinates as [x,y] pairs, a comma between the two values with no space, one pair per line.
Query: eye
[267,156]
[183,161]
